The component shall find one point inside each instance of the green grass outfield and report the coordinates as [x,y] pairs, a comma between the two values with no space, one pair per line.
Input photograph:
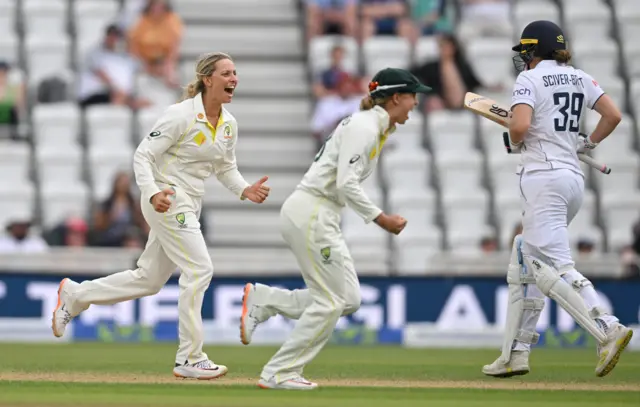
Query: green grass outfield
[99,374]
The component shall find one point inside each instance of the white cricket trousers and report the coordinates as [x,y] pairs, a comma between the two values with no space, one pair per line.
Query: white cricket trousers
[311,227]
[175,241]
[550,200]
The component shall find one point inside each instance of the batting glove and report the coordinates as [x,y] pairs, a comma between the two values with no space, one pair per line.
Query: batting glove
[511,147]
[585,143]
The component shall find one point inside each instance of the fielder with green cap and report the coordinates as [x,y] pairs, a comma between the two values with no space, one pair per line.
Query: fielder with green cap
[310,224]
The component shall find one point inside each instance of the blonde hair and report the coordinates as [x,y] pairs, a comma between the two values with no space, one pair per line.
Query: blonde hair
[562,56]
[369,102]
[205,66]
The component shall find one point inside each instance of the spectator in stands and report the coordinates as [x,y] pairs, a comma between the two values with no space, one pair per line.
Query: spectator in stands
[450,77]
[585,246]
[630,262]
[115,216]
[482,18]
[386,17]
[76,232]
[429,17]
[489,244]
[326,83]
[12,97]
[336,106]
[110,74]
[17,238]
[155,40]
[331,17]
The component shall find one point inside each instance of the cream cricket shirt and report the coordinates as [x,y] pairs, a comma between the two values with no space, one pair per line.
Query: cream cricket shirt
[183,149]
[347,158]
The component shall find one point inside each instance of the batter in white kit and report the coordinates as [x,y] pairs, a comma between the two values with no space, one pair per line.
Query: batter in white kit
[310,224]
[549,98]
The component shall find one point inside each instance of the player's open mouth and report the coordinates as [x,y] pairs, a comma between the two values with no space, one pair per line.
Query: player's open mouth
[229,90]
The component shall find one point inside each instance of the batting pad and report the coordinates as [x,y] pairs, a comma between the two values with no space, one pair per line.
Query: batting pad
[552,285]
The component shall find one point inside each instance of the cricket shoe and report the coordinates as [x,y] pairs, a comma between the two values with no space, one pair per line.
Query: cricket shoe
[518,365]
[203,370]
[297,383]
[609,353]
[252,314]
[62,313]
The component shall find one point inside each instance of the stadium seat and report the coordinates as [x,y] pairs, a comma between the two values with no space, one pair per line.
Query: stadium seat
[620,210]
[426,50]
[467,241]
[59,164]
[9,48]
[625,175]
[381,52]
[525,12]
[91,18]
[620,143]
[255,115]
[369,248]
[274,41]
[146,119]
[408,169]
[8,14]
[104,164]
[45,18]
[241,227]
[419,206]
[449,131]
[56,124]
[415,246]
[61,200]
[586,19]
[15,161]
[614,87]
[465,210]
[491,59]
[508,211]
[459,172]
[156,91]
[503,173]
[109,126]
[259,153]
[17,200]
[47,56]
[320,53]
[280,11]
[597,57]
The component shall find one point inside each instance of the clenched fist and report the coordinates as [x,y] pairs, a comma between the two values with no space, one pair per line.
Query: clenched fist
[391,223]
[161,202]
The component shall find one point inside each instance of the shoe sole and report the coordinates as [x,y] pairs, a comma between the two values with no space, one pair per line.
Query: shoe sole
[263,386]
[53,318]
[508,374]
[178,375]
[245,297]
[622,344]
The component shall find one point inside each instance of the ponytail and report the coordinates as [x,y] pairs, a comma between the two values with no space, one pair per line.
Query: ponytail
[562,56]
[193,88]
[369,102]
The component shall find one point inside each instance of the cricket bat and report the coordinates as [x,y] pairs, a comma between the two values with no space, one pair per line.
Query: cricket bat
[493,111]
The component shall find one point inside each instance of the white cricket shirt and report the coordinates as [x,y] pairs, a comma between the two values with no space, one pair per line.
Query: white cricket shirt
[183,149]
[348,157]
[559,95]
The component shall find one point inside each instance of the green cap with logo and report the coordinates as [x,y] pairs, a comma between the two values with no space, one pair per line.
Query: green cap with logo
[395,80]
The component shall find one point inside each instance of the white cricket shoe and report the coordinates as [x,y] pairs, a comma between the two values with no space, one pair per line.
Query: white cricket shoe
[62,313]
[203,370]
[297,383]
[518,365]
[618,338]
[249,319]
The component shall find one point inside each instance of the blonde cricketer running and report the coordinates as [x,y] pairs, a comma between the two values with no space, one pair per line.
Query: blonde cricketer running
[549,97]
[310,224]
[192,140]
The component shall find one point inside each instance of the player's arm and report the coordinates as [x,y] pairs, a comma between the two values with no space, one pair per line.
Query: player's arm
[523,102]
[226,170]
[605,106]
[165,132]
[354,150]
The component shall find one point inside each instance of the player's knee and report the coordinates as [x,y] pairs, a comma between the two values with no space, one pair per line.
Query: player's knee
[352,302]
[152,283]
[545,276]
[575,279]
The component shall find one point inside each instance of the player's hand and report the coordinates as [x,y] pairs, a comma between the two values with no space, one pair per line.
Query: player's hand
[585,143]
[161,202]
[391,223]
[509,145]
[257,192]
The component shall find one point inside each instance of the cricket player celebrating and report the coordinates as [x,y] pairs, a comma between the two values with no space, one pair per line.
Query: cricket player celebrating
[549,98]
[192,140]
[310,224]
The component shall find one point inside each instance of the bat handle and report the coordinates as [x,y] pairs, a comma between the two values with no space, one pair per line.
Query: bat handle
[593,163]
